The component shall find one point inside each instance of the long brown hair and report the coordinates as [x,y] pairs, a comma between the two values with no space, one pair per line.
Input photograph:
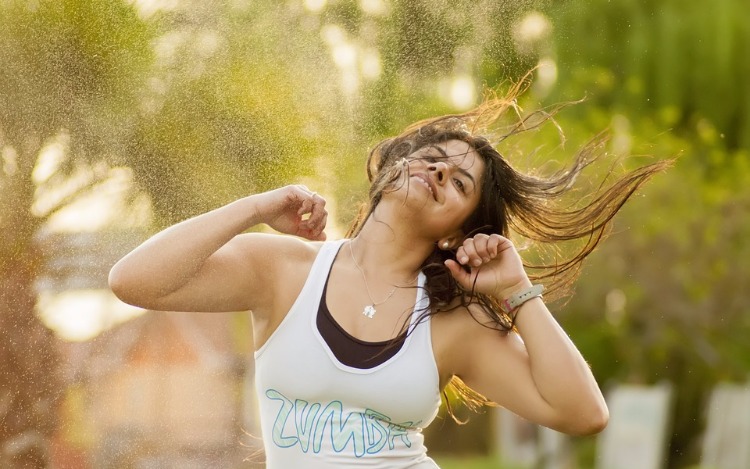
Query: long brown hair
[535,209]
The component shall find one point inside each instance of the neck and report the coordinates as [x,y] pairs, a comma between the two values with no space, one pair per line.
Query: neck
[390,250]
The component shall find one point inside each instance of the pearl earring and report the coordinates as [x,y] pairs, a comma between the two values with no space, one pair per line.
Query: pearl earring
[446,245]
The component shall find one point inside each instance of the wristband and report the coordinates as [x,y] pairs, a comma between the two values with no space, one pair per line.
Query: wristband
[515,300]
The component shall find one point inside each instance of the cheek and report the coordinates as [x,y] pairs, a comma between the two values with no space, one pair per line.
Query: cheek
[468,203]
[457,215]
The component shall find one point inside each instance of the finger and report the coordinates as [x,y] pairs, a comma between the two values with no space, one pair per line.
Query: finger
[471,252]
[320,224]
[317,211]
[306,204]
[304,188]
[493,244]
[461,255]
[458,273]
[480,245]
[320,235]
[312,235]
[312,228]
[503,244]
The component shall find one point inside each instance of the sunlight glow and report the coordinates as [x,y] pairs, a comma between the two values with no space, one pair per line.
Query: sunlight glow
[373,7]
[50,158]
[622,139]
[615,303]
[347,56]
[92,198]
[370,64]
[10,163]
[546,76]
[315,5]
[344,55]
[531,31]
[147,8]
[332,34]
[462,92]
[78,315]
[103,207]
[534,26]
[167,47]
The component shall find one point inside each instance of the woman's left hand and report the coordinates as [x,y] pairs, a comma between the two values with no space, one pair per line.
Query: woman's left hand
[495,266]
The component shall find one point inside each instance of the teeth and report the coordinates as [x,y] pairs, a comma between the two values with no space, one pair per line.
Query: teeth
[424,183]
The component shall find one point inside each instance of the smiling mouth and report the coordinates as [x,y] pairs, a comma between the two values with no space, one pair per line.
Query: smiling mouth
[421,179]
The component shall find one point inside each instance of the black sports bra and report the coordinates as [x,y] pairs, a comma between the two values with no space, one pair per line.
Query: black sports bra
[348,349]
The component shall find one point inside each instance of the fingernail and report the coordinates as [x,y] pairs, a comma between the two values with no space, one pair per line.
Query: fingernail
[464,259]
[477,262]
[486,259]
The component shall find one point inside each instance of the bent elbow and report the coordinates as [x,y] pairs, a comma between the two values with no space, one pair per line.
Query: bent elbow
[593,422]
[117,283]
[121,285]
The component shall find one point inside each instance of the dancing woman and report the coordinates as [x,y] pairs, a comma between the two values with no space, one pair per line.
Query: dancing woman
[356,338]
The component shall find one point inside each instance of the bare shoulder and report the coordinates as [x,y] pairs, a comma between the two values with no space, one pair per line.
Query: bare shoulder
[275,248]
[278,261]
[457,321]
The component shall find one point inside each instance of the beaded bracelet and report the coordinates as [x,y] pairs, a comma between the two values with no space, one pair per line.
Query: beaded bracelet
[515,300]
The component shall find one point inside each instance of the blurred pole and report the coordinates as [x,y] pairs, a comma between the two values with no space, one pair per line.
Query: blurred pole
[636,436]
[726,441]
[555,450]
[522,444]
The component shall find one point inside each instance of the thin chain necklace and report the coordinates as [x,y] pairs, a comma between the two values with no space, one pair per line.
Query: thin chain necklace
[369,310]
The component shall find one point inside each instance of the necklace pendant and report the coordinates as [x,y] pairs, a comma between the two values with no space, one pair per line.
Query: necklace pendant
[369,311]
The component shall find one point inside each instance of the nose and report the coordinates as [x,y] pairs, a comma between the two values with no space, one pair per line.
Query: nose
[439,170]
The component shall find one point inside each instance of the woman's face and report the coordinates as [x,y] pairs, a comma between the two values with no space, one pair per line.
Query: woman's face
[444,185]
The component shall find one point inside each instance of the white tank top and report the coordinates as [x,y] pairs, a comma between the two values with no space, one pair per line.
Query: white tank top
[318,413]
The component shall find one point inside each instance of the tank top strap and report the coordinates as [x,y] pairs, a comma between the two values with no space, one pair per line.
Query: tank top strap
[311,290]
[323,262]
[316,279]
[420,314]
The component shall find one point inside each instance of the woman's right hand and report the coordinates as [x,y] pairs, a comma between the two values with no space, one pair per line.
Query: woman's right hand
[286,209]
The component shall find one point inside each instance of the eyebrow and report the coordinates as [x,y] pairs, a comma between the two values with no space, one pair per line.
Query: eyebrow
[460,169]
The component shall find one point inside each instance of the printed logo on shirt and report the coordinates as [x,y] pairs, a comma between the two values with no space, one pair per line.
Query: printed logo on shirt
[307,424]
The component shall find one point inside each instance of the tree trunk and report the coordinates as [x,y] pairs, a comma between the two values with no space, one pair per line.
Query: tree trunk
[30,385]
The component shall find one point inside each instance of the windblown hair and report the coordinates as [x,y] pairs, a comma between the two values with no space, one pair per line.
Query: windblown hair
[536,209]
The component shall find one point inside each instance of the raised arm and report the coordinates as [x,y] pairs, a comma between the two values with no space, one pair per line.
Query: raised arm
[206,264]
[540,376]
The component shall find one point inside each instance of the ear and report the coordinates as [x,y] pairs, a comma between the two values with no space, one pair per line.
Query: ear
[451,242]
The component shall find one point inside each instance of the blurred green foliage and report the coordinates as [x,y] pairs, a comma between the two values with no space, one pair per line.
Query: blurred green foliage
[665,299]
[209,101]
[679,60]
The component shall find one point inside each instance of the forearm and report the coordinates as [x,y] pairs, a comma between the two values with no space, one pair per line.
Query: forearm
[169,259]
[551,382]
[562,376]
